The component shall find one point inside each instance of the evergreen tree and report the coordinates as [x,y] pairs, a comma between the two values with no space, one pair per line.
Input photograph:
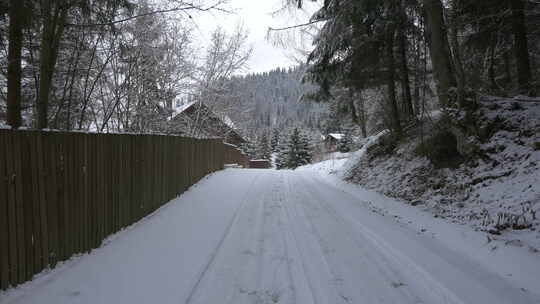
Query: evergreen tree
[263,149]
[345,143]
[274,143]
[293,149]
[295,152]
[282,156]
[305,152]
[496,31]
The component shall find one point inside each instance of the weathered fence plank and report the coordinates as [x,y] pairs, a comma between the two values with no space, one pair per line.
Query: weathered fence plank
[11,210]
[27,217]
[52,198]
[4,226]
[41,185]
[19,200]
[93,212]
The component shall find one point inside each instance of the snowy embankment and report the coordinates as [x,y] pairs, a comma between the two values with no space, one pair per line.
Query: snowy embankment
[498,193]
[342,163]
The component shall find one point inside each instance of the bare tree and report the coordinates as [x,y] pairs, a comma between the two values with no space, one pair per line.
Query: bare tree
[58,17]
[226,55]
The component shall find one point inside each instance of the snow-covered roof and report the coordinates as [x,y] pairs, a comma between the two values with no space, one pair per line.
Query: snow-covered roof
[337,136]
[228,121]
[184,107]
[230,145]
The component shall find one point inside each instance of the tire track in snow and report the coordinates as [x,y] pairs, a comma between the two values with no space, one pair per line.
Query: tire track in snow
[272,272]
[431,286]
[304,278]
[246,273]
[216,250]
[300,249]
[382,270]
[283,227]
[322,247]
[440,271]
[281,260]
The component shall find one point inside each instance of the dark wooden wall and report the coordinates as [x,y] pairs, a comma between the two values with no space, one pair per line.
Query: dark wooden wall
[233,155]
[63,193]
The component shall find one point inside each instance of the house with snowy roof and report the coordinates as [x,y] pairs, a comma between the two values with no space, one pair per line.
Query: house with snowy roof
[331,141]
[195,119]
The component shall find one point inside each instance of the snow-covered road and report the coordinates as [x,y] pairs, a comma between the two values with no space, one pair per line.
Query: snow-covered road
[266,236]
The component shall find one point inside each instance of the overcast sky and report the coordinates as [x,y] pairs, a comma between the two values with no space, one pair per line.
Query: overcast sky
[256,16]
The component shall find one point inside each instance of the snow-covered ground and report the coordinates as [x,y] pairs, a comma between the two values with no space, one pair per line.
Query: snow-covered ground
[303,236]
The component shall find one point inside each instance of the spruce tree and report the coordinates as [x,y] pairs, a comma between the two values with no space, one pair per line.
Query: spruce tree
[305,150]
[344,144]
[274,143]
[263,149]
[295,152]
[282,155]
[293,149]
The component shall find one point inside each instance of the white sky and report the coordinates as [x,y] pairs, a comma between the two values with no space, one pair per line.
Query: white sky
[256,16]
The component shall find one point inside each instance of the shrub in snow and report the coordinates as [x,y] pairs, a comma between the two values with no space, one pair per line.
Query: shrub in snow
[441,150]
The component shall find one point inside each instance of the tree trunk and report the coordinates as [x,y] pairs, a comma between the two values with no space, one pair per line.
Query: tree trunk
[53,27]
[391,66]
[404,67]
[491,70]
[16,16]
[352,107]
[521,46]
[417,75]
[440,50]
[507,72]
[358,115]
[458,62]
[362,115]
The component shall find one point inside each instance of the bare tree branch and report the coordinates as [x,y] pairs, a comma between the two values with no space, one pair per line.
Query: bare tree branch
[215,7]
[271,29]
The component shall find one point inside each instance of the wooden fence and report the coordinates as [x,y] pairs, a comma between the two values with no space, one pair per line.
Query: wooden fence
[63,193]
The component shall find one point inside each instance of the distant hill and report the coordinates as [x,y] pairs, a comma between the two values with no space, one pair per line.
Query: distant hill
[271,99]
